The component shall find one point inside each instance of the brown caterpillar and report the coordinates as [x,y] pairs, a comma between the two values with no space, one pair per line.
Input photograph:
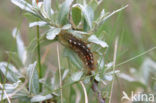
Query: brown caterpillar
[79,47]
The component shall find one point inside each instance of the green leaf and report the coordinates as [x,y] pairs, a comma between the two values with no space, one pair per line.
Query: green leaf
[88,15]
[76,14]
[101,63]
[32,76]
[40,98]
[72,56]
[62,19]
[76,76]
[10,72]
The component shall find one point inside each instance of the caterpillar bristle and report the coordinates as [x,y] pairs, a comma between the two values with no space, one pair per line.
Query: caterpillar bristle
[79,47]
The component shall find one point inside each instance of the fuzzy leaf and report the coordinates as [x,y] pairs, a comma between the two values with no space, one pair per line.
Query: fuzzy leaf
[22,53]
[32,75]
[52,33]
[76,76]
[97,41]
[88,14]
[101,63]
[40,98]
[64,11]
[11,88]
[66,27]
[10,72]
[47,8]
[23,5]
[39,23]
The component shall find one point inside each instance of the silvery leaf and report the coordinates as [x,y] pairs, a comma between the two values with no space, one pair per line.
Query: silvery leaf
[10,72]
[40,98]
[64,11]
[22,53]
[97,41]
[47,8]
[52,33]
[33,78]
[39,23]
[76,76]
[23,5]
[66,27]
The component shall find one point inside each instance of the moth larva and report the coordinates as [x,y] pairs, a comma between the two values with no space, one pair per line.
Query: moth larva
[79,47]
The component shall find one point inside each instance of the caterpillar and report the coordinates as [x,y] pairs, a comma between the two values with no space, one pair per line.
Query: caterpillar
[79,47]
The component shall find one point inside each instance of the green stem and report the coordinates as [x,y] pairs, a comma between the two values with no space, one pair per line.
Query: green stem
[39,56]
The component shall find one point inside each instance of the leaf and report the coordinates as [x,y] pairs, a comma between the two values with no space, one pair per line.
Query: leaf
[52,33]
[97,77]
[147,67]
[109,76]
[23,5]
[47,8]
[40,98]
[34,3]
[39,23]
[109,65]
[11,88]
[66,27]
[101,63]
[10,72]
[32,76]
[104,18]
[64,11]
[87,13]
[76,14]
[72,56]
[22,53]
[126,77]
[97,41]
[76,76]
[65,74]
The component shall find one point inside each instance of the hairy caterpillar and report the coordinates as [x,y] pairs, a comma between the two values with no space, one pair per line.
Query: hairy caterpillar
[79,47]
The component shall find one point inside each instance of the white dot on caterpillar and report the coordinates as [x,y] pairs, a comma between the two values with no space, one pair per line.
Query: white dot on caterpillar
[79,44]
[70,41]
[74,42]
[86,63]
[83,46]
[91,61]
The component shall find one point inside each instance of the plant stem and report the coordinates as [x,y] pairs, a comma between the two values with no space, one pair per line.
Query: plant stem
[58,55]
[114,62]
[39,56]
[38,53]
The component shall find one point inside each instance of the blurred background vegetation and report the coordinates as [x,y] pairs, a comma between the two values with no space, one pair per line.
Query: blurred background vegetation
[135,27]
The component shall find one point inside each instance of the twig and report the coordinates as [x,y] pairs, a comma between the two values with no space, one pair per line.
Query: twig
[114,62]
[96,90]
[58,55]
